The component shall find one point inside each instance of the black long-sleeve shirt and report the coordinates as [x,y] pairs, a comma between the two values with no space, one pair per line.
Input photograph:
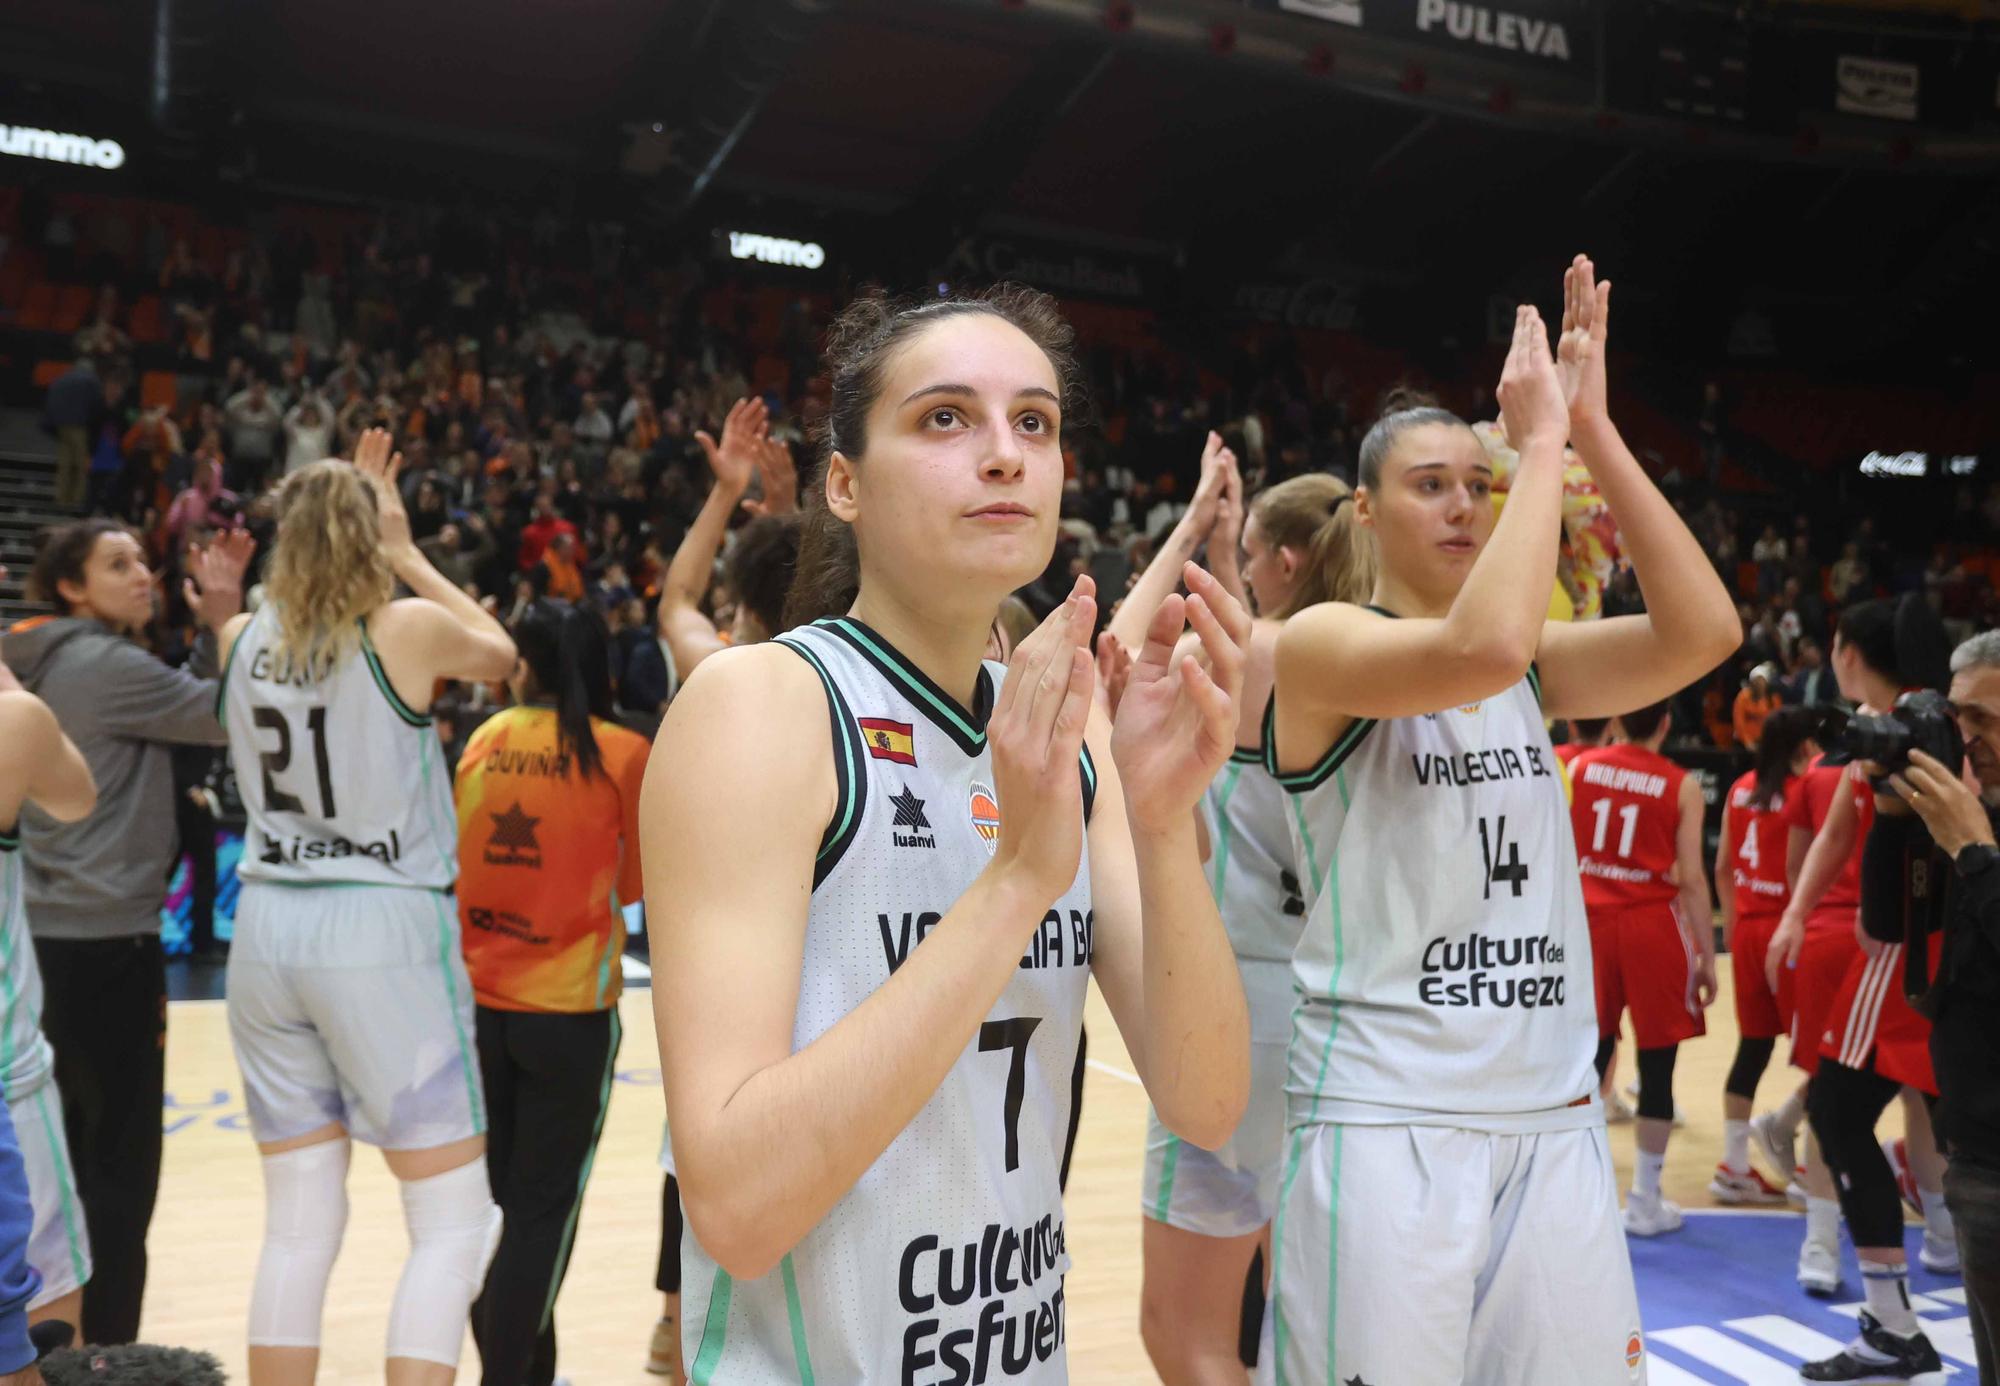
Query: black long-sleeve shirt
[1965,994]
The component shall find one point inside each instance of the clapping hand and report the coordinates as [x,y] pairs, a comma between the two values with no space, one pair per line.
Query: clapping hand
[1580,352]
[1176,722]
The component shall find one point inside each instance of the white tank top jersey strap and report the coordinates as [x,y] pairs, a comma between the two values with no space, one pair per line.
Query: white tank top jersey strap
[945,1262]
[1444,975]
[342,782]
[1251,868]
[26,1060]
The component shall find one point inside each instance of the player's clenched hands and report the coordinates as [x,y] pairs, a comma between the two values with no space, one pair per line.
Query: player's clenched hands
[1036,733]
[1176,723]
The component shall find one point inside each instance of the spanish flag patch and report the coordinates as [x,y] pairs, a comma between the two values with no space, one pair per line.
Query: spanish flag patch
[888,740]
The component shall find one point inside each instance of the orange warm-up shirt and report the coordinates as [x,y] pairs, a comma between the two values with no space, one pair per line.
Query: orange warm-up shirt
[546,860]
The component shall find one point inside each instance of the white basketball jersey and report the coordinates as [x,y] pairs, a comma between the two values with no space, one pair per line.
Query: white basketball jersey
[341,781]
[946,1261]
[1444,976]
[26,1060]
[1251,869]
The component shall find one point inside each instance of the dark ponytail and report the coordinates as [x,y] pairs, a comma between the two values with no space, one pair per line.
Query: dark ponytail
[1903,640]
[858,348]
[1785,730]
[568,654]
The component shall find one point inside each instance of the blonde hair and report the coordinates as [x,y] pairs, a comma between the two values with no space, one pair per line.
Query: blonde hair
[327,569]
[1314,514]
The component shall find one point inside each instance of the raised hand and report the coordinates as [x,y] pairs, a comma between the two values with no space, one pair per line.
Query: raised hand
[1227,533]
[1530,393]
[744,431]
[1208,489]
[780,476]
[1580,351]
[374,459]
[1176,723]
[1036,733]
[213,588]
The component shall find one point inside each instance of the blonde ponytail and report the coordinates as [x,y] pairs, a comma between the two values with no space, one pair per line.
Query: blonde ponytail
[327,569]
[1313,515]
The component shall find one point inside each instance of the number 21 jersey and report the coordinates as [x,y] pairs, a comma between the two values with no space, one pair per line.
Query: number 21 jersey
[341,781]
[945,1262]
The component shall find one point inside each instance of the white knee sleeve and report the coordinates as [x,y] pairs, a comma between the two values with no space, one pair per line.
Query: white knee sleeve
[454,1228]
[305,1212]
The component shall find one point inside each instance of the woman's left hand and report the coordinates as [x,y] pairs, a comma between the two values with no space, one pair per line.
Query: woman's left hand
[213,588]
[1580,350]
[1176,723]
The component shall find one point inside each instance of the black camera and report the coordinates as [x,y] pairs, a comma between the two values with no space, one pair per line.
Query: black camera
[1920,721]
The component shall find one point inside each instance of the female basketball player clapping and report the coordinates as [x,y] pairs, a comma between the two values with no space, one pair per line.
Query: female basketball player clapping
[349,1005]
[1444,1121]
[894,869]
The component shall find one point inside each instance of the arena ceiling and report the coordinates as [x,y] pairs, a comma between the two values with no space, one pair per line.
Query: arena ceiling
[932,119]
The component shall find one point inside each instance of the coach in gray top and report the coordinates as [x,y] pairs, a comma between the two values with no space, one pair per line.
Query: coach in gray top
[94,887]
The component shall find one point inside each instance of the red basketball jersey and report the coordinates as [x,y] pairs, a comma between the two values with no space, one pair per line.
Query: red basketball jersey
[1754,855]
[1808,807]
[1626,813]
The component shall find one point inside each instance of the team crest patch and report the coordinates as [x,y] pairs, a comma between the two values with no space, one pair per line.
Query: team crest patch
[1472,709]
[984,810]
[889,740]
[1635,1352]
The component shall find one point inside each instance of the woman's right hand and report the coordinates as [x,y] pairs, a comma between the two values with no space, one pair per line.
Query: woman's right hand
[1036,733]
[1208,491]
[744,430]
[1532,404]
[374,460]
[1783,953]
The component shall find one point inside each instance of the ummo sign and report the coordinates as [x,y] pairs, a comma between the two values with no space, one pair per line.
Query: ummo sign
[775,250]
[26,142]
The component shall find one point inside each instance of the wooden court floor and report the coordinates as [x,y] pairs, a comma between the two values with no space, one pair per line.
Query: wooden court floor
[210,1217]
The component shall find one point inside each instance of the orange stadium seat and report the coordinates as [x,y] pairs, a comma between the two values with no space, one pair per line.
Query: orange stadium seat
[159,388]
[73,303]
[38,308]
[47,371]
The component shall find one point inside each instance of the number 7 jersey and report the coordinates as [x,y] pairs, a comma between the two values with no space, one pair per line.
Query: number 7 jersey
[945,1261]
[341,781]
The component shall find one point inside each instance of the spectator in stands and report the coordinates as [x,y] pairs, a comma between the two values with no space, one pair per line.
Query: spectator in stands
[451,554]
[107,457]
[1769,554]
[203,505]
[74,410]
[308,432]
[1849,579]
[540,531]
[1810,683]
[94,887]
[254,424]
[565,575]
[1755,702]
[151,447]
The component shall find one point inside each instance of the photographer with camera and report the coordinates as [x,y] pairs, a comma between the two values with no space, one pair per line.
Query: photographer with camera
[1945,810]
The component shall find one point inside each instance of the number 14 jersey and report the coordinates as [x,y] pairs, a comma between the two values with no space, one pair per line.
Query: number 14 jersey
[1444,976]
[945,1262]
[341,781]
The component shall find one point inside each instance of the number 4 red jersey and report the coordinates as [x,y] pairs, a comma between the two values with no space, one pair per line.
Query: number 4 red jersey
[1626,813]
[1755,851]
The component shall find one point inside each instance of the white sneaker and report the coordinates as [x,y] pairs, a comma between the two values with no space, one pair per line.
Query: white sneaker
[1617,1111]
[1730,1186]
[1939,1255]
[1649,1217]
[1680,1117]
[1819,1268]
[1781,1148]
